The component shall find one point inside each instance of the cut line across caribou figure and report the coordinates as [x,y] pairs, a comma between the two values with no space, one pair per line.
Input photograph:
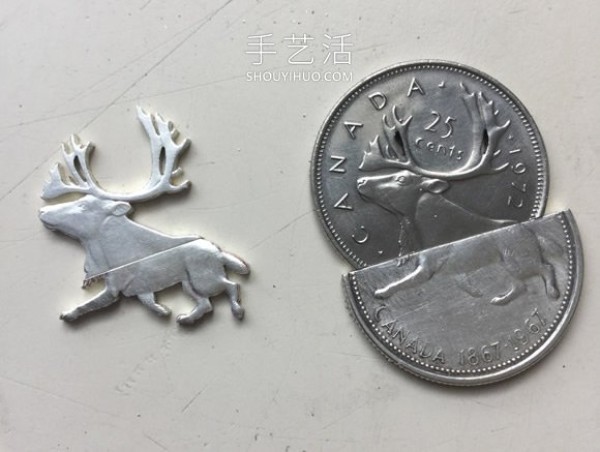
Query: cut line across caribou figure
[135,260]
[428,219]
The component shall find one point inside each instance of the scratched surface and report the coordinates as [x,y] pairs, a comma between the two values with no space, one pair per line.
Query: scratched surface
[297,373]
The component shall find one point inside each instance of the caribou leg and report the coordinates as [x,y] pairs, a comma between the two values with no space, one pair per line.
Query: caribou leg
[149,301]
[233,292]
[517,288]
[102,300]
[422,273]
[203,305]
[465,282]
[549,278]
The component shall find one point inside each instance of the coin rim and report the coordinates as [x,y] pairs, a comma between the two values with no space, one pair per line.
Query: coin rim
[573,241]
[539,149]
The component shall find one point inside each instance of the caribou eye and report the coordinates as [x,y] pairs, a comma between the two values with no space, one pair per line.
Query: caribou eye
[402,180]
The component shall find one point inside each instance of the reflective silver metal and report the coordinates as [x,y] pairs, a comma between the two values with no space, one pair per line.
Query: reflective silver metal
[474,311]
[431,177]
[421,154]
[132,259]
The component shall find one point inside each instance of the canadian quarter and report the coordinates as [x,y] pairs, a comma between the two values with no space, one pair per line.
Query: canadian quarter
[462,142]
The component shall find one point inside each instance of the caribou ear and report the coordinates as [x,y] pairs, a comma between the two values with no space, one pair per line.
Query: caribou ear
[120,208]
[436,186]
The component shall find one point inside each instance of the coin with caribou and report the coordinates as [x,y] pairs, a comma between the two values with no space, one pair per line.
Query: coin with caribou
[431,178]
[424,154]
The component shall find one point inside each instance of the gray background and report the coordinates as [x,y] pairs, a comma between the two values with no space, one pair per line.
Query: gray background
[297,373]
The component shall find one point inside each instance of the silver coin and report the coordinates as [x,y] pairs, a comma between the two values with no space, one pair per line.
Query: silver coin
[474,311]
[422,154]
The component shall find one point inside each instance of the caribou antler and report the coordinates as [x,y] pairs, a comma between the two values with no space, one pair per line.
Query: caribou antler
[396,153]
[165,155]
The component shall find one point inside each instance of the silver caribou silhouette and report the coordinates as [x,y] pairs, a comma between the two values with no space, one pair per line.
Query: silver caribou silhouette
[135,260]
[428,219]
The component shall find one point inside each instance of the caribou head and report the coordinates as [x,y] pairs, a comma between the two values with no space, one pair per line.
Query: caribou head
[99,219]
[412,192]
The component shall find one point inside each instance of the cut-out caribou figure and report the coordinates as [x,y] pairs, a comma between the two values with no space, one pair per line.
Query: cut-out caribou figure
[135,260]
[427,218]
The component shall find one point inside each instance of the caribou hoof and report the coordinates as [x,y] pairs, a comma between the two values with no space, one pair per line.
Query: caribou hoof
[238,312]
[184,319]
[69,316]
[162,311]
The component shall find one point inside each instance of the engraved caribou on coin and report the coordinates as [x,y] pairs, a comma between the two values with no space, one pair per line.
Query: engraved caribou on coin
[135,260]
[427,218]
[431,179]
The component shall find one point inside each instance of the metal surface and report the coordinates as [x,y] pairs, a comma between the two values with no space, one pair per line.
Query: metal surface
[422,154]
[132,259]
[431,177]
[474,311]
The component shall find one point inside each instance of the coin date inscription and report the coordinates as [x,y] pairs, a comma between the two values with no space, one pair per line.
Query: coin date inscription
[516,340]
